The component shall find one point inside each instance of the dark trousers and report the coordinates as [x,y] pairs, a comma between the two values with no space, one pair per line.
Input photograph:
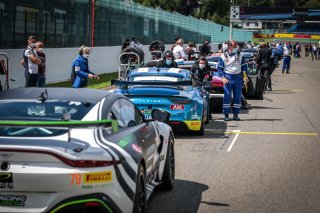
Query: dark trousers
[32,80]
[266,70]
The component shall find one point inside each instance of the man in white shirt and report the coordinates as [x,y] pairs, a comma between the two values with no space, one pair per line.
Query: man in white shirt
[178,51]
[31,62]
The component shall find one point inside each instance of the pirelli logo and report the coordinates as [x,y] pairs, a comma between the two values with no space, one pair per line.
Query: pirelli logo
[98,177]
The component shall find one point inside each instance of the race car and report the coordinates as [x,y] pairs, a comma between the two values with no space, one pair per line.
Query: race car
[171,90]
[80,150]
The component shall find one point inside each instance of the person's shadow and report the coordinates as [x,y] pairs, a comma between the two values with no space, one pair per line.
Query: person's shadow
[186,196]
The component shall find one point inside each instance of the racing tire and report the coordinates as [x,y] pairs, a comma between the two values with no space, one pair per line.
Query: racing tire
[140,198]
[132,58]
[168,177]
[157,46]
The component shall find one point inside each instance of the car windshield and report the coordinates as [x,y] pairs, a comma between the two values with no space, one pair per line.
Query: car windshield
[50,110]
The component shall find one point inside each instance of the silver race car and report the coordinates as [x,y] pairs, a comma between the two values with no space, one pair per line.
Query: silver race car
[80,150]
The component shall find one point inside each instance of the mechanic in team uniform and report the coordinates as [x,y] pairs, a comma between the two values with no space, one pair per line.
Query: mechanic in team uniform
[264,64]
[168,61]
[231,69]
[81,68]
[199,69]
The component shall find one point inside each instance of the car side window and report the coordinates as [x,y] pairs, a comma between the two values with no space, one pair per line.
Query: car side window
[125,113]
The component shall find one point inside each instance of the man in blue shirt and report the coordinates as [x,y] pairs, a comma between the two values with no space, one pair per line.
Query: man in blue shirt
[231,68]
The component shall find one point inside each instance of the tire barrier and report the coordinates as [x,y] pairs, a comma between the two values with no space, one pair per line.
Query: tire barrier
[157,46]
[132,58]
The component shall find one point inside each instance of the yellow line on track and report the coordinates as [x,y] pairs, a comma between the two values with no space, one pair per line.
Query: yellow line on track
[264,133]
[275,133]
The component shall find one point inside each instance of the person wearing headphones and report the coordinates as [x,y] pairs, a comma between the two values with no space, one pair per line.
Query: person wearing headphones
[81,68]
[168,61]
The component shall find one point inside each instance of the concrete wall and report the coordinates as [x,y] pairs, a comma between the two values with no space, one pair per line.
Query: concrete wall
[59,62]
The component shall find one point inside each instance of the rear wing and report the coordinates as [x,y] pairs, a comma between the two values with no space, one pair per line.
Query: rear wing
[167,83]
[98,124]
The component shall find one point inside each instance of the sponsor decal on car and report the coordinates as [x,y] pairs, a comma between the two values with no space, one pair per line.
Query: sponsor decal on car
[6,180]
[91,178]
[12,200]
[177,107]
[125,141]
[98,177]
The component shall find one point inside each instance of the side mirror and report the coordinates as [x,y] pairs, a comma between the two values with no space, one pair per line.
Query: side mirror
[160,115]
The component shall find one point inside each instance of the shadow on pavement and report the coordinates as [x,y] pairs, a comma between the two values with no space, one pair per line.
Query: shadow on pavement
[263,107]
[219,128]
[184,197]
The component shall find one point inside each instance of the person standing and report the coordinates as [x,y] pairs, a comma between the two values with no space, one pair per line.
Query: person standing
[264,64]
[286,59]
[230,68]
[42,66]
[178,51]
[81,68]
[205,49]
[126,44]
[31,62]
[314,52]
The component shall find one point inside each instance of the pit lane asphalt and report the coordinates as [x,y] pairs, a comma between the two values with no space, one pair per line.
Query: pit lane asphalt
[274,163]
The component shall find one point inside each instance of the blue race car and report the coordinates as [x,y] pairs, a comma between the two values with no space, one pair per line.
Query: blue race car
[171,90]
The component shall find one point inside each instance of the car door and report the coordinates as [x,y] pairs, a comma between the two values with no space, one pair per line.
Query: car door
[134,135]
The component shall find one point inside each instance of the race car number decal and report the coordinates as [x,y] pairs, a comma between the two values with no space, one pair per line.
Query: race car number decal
[146,113]
[177,107]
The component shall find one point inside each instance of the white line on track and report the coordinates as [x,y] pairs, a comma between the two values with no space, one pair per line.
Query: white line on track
[234,140]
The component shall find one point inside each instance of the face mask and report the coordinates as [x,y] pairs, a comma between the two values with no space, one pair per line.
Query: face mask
[168,62]
[85,55]
[33,45]
[201,66]
[40,49]
[235,50]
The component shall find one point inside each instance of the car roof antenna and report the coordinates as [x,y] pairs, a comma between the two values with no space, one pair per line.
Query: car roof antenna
[43,96]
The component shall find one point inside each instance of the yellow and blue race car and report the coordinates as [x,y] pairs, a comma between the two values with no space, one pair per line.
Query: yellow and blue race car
[171,90]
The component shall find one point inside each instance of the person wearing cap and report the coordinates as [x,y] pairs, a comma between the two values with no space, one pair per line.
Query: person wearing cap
[231,68]
[168,61]
[81,68]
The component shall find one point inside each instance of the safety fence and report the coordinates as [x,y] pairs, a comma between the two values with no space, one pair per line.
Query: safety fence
[72,23]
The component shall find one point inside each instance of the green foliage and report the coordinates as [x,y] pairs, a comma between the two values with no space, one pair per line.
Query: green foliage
[218,10]
[104,81]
